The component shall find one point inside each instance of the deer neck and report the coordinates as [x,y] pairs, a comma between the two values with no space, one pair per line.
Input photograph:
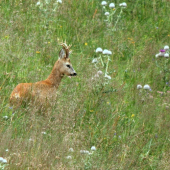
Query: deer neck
[55,77]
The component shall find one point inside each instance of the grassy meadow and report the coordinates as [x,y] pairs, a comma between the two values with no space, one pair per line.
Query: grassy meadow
[129,128]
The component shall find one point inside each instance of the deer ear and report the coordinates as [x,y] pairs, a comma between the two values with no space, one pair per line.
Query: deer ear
[62,54]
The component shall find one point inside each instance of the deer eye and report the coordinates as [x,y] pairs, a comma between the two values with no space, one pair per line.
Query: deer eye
[68,65]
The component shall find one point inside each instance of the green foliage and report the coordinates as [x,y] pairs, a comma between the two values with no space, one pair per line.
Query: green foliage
[128,126]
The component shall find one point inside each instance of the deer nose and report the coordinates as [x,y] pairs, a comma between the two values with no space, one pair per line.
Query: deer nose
[74,74]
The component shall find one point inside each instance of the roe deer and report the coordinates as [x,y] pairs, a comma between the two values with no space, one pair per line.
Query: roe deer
[45,91]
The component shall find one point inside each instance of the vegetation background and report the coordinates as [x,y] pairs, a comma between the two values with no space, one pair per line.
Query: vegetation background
[129,127]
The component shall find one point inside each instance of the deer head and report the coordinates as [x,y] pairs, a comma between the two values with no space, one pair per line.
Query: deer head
[64,60]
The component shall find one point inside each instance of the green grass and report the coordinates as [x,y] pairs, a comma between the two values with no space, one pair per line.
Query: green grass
[129,127]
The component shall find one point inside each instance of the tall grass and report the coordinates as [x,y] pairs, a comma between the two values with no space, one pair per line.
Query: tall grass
[128,126]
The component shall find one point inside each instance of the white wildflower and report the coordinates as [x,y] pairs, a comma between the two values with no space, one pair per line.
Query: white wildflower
[99,50]
[107,52]
[95,60]
[71,150]
[38,3]
[69,157]
[5,117]
[161,54]
[99,72]
[93,148]
[90,153]
[107,76]
[104,3]
[112,5]
[106,13]
[157,55]
[123,4]
[6,150]
[4,161]
[44,133]
[30,139]
[59,1]
[84,152]
[139,86]
[146,87]
[166,47]
[166,55]
[1,159]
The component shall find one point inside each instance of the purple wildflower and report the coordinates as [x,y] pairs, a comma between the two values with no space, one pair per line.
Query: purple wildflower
[162,50]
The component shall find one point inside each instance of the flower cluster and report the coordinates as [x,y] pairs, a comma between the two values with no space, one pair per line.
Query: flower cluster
[111,11]
[112,5]
[98,74]
[146,87]
[163,65]
[93,148]
[106,53]
[2,160]
[46,8]
[163,52]
[47,2]
[123,4]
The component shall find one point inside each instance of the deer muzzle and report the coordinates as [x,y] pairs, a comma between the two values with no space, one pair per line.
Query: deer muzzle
[74,74]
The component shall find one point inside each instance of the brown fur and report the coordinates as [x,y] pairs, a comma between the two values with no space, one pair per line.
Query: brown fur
[43,92]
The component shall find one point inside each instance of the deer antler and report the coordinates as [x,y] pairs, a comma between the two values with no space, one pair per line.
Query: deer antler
[66,48]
